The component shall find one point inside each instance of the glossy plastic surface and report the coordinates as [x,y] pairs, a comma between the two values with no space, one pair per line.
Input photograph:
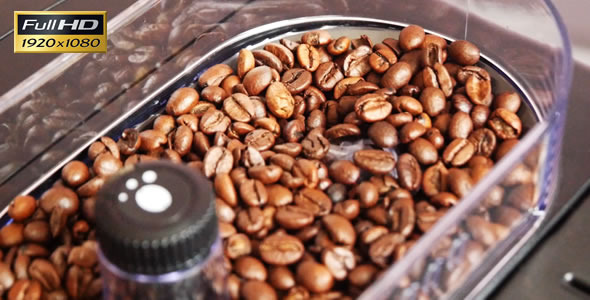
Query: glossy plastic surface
[156,46]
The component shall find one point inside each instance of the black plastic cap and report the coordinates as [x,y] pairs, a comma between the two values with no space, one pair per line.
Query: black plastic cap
[155,218]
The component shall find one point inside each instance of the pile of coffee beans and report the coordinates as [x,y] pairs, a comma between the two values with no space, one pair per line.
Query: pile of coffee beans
[301,214]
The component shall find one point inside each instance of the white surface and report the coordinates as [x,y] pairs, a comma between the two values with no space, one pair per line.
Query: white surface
[153,198]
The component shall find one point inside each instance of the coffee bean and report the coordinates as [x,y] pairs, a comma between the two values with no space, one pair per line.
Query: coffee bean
[37,231]
[339,46]
[315,145]
[372,108]
[316,38]
[382,249]
[344,171]
[411,37]
[225,189]
[296,80]
[83,256]
[308,171]
[239,107]
[403,216]
[373,233]
[460,125]
[434,136]
[250,268]
[217,160]
[253,192]
[424,151]
[479,115]
[459,181]
[215,75]
[245,62]
[464,52]
[314,276]
[60,197]
[182,101]
[458,152]
[294,217]
[356,62]
[257,290]
[25,289]
[484,141]
[368,194]
[374,161]
[409,172]
[340,229]
[327,75]
[314,200]
[411,131]
[434,180]
[22,207]
[505,124]
[382,59]
[281,249]
[339,261]
[398,75]
[281,278]
[213,121]
[479,87]
[237,245]
[349,209]
[308,57]
[44,272]
[362,275]
[433,101]
[485,232]
[260,139]
[444,199]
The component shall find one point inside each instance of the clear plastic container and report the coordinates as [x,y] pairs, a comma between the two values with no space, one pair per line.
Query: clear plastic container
[157,46]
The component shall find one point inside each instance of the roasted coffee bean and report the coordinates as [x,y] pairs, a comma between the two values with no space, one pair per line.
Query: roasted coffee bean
[314,276]
[250,268]
[257,290]
[327,75]
[444,199]
[217,160]
[350,209]
[281,278]
[342,131]
[375,161]
[315,145]
[60,197]
[383,134]
[25,289]
[182,101]
[260,139]
[308,57]
[505,124]
[239,107]
[294,217]
[409,172]
[233,286]
[372,234]
[356,62]
[508,100]
[411,131]
[224,211]
[214,94]
[340,229]
[22,207]
[281,249]
[372,108]
[397,76]
[368,194]
[75,173]
[434,136]
[163,123]
[484,141]
[106,165]
[339,261]
[316,119]
[44,272]
[337,192]
[237,245]
[424,151]
[478,87]
[245,62]
[83,256]
[314,200]
[441,122]
[257,80]
[37,231]
[459,181]
[250,157]
[250,220]
[463,52]
[213,121]
[339,46]
[460,125]
[253,192]
[362,275]
[308,171]
[399,119]
[382,59]
[433,101]
[434,180]
[316,38]
[11,235]
[485,232]
[296,80]
[411,37]
[282,53]
[381,250]
[215,75]
[344,171]
[403,216]
[266,174]
[201,143]
[225,189]
[458,152]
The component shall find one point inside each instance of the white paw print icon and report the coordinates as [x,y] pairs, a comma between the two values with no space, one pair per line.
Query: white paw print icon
[150,197]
